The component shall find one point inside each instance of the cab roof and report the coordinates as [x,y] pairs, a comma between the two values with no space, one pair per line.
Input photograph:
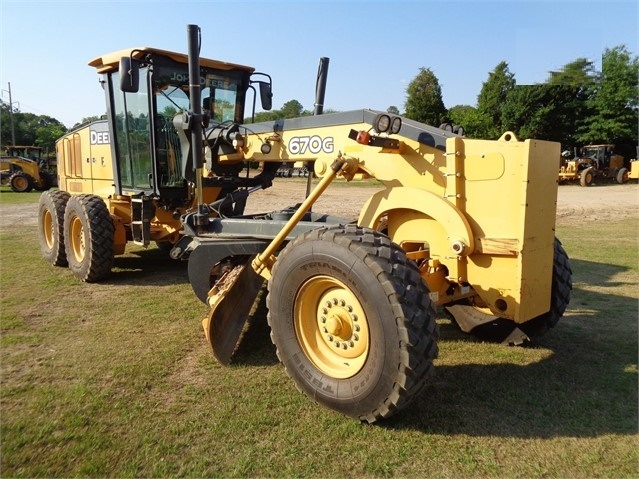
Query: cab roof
[110,62]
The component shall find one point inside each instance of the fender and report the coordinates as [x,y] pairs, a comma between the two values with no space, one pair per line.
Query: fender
[460,237]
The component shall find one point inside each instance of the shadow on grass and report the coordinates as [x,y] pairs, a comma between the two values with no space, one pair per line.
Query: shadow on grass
[147,267]
[585,388]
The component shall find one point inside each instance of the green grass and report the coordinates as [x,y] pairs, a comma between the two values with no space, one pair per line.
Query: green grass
[116,380]
[10,197]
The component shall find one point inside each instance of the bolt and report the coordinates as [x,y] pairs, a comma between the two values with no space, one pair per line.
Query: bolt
[324,330]
[344,346]
[357,328]
[328,304]
[351,344]
[354,317]
[342,303]
[356,337]
[337,344]
[330,337]
[323,319]
[335,301]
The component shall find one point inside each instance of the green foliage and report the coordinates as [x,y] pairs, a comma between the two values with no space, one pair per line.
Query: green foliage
[424,99]
[491,100]
[29,129]
[614,105]
[290,109]
[470,118]
[541,111]
[393,110]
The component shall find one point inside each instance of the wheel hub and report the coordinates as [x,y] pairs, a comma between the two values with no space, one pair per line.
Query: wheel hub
[331,327]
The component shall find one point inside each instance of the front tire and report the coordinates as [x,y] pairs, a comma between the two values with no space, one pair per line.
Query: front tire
[51,226]
[352,321]
[88,237]
[586,177]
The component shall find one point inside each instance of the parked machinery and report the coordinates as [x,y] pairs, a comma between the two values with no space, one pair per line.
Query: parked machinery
[466,225]
[595,162]
[23,169]
[129,178]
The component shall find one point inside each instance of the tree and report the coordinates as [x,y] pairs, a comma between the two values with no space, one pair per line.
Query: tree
[575,82]
[469,118]
[491,99]
[393,110]
[615,102]
[537,111]
[292,109]
[424,99]
[30,129]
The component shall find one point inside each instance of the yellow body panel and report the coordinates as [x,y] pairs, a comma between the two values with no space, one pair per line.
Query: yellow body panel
[481,211]
[110,62]
[85,166]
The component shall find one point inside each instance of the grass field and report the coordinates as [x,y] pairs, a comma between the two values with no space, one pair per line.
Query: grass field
[115,380]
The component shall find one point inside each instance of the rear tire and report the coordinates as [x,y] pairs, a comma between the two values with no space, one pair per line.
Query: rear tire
[621,176]
[51,226]
[352,321]
[21,182]
[88,237]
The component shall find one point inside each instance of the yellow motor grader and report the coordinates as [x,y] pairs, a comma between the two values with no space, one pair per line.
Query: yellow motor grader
[463,224]
[595,162]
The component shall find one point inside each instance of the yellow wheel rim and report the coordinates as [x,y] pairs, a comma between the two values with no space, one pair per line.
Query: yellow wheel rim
[47,228]
[331,327]
[20,183]
[78,242]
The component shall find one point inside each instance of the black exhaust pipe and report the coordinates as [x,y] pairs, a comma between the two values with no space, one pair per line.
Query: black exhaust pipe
[320,92]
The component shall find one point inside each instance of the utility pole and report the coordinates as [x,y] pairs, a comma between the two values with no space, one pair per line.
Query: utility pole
[13,130]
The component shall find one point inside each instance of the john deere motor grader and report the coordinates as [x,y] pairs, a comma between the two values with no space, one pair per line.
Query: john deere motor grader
[467,225]
[129,178]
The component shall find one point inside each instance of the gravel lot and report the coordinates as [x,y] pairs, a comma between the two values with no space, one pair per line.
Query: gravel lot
[574,203]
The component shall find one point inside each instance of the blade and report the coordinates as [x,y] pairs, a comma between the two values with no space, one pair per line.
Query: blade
[230,307]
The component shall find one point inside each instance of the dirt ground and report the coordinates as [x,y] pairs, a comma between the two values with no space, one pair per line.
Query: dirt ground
[574,203]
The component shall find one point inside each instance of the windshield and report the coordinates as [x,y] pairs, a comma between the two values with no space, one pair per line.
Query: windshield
[150,154]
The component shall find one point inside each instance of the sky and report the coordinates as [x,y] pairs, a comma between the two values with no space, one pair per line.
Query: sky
[375,48]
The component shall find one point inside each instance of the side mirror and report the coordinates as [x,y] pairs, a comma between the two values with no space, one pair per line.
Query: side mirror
[266,96]
[129,75]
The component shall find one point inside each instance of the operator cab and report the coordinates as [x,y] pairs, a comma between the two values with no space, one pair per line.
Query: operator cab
[147,93]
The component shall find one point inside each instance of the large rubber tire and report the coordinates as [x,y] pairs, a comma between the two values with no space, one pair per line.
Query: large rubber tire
[621,176]
[586,177]
[21,182]
[45,182]
[51,226]
[560,295]
[88,237]
[352,321]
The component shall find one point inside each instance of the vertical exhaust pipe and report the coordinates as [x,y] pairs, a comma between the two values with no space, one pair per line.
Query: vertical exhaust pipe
[195,93]
[320,92]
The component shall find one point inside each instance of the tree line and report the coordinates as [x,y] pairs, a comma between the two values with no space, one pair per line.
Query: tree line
[577,105]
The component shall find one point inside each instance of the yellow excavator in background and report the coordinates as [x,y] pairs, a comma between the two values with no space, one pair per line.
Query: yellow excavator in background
[462,224]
